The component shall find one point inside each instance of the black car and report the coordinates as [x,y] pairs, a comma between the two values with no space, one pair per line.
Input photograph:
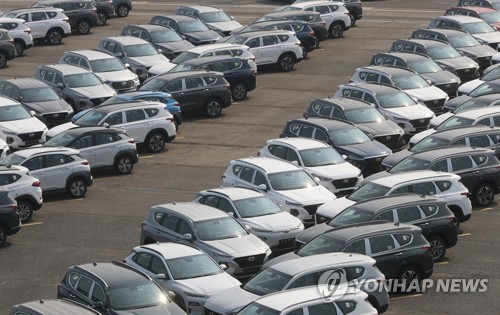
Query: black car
[431,214]
[115,288]
[52,307]
[9,218]
[104,10]
[355,8]
[361,151]
[400,249]
[39,97]
[7,48]
[363,115]
[237,71]
[164,38]
[204,91]
[193,30]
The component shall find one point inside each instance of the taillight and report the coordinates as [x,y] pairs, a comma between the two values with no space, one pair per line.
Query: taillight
[426,247]
[36,183]
[466,194]
[171,119]
[131,140]
[12,207]
[227,86]
[323,24]
[312,34]
[452,218]
[252,58]
[85,162]
[66,20]
[27,31]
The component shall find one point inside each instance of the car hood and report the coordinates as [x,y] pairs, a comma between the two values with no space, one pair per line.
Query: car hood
[95,91]
[467,87]
[204,36]
[237,30]
[458,63]
[281,221]
[395,158]
[59,105]
[148,61]
[114,76]
[338,171]
[312,232]
[175,46]
[427,93]
[436,121]
[225,26]
[441,77]
[165,309]
[239,245]
[308,196]
[411,112]
[367,149]
[231,300]
[386,127]
[457,101]
[479,51]
[27,125]
[333,208]
[208,285]
[60,128]
[419,136]
[161,68]
[492,37]
[281,258]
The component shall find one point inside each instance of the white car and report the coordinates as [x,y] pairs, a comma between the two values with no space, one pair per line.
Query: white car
[19,128]
[284,182]
[215,18]
[437,184]
[260,214]
[185,270]
[490,73]
[21,33]
[318,159]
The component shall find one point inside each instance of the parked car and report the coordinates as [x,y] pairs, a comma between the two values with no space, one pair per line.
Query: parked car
[193,30]
[213,231]
[188,272]
[39,98]
[20,32]
[58,169]
[481,3]
[51,306]
[257,212]
[489,74]
[7,48]
[46,24]
[489,15]
[318,159]
[80,87]
[284,182]
[215,18]
[122,7]
[10,223]
[104,10]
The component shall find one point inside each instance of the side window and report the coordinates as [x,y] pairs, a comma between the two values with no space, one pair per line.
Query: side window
[480,159]
[58,159]
[409,214]
[269,40]
[461,163]
[403,239]
[385,80]
[83,286]
[82,142]
[73,279]
[420,50]
[485,121]
[84,64]
[371,77]
[225,205]
[157,266]
[303,281]
[174,86]
[460,142]
[184,228]
[58,79]
[322,309]
[306,131]
[194,83]
[298,311]
[34,163]
[98,294]
[356,94]
[260,179]
[291,156]
[253,42]
[479,141]
[143,260]
[400,64]
[151,111]
[135,115]
[114,119]
[440,166]
[283,38]
[401,190]
[443,185]
[105,138]
[386,216]
[370,99]
[495,138]
[427,188]
[6,179]
[357,247]
[429,210]
[47,75]
[496,121]
[7,90]
[210,80]
[325,110]
[38,16]
[388,62]
[381,243]
[321,135]
[170,222]
[277,151]
[246,174]
[211,201]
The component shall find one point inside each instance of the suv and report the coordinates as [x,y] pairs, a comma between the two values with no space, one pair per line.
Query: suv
[193,30]
[122,7]
[104,10]
[367,118]
[24,188]
[437,184]
[10,223]
[81,14]
[58,169]
[115,288]
[318,159]
[277,47]
[431,214]
[46,24]
[299,273]
[7,48]
[480,3]
[103,147]
[139,54]
[48,307]
[38,97]
[20,32]
[215,18]
[421,64]
[202,90]
[489,15]
[80,87]
[407,80]
[489,74]
[284,182]
[169,41]
[362,151]
[215,232]
[146,122]
[108,68]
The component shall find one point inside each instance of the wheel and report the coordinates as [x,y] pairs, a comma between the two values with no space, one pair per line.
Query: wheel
[410,274]
[176,124]
[286,62]
[124,164]
[3,60]
[438,248]
[353,19]
[25,210]
[156,142]
[54,37]
[83,27]
[122,11]
[213,108]
[336,30]
[102,18]
[484,195]
[77,188]
[3,235]
[239,91]
[19,45]
[304,52]
[316,42]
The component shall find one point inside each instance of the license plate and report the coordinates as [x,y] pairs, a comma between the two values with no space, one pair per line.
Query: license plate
[287,241]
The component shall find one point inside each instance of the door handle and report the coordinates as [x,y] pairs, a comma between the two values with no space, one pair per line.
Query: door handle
[398,254]
[72,296]
[424,224]
[475,172]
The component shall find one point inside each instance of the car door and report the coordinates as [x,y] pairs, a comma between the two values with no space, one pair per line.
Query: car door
[39,24]
[254,44]
[85,144]
[167,225]
[36,167]
[470,173]
[137,124]
[106,145]
[271,48]
[195,93]
[385,250]
[57,170]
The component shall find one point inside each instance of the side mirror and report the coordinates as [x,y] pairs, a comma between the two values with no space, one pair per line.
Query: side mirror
[344,156]
[248,227]
[32,112]
[231,17]
[262,187]
[316,179]
[160,276]
[187,237]
[119,54]
[171,294]
[428,81]
[231,214]
[183,37]
[60,85]
[415,99]
[127,65]
[295,162]
[98,305]
[160,51]
[461,53]
[223,266]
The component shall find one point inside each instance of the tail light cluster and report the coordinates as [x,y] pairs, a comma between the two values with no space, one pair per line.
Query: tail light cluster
[36,183]
[131,140]
[85,162]
[171,119]
[466,194]
[28,31]
[66,20]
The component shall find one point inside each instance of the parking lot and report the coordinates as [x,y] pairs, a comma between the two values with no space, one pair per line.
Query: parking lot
[105,225]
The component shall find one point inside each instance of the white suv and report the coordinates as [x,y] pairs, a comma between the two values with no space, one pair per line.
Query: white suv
[284,182]
[20,32]
[49,24]
[24,188]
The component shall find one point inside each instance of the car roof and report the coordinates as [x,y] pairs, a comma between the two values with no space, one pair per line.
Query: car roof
[479,112]
[6,101]
[125,40]
[192,210]
[261,32]
[26,153]
[381,203]
[476,9]
[51,306]
[443,31]
[407,177]
[16,20]
[215,46]
[269,165]
[235,193]
[112,273]
[392,71]
[327,123]
[347,232]
[375,88]
[405,55]
[204,60]
[175,75]
[66,69]
[171,250]
[90,54]
[309,3]
[277,22]
[27,83]
[178,17]
[151,27]
[464,131]
[92,129]
[21,10]
[458,18]
[57,1]
[299,143]
[125,105]
[201,8]
[424,42]
[432,154]
[291,13]
[344,102]
[11,168]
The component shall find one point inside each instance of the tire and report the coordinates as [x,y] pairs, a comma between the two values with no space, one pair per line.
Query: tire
[77,187]
[25,210]
[316,43]
[19,45]
[124,164]
[239,91]
[3,60]
[213,108]
[336,30]
[176,124]
[286,62]
[156,142]
[353,19]
[54,37]
[122,11]
[484,195]
[83,27]
[102,18]
[438,248]
[304,52]
[410,274]
[3,235]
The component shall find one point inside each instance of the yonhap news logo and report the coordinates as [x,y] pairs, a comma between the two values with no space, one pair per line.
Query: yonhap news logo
[333,284]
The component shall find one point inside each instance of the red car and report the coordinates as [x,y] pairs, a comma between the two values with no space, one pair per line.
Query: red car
[489,15]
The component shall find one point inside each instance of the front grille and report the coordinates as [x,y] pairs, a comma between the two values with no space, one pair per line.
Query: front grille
[321,219]
[345,183]
[287,243]
[372,165]
[56,117]
[420,124]
[30,137]
[250,261]
[97,101]
[207,311]
[395,142]
[449,88]
[435,105]
[494,45]
[311,209]
[484,62]
[123,85]
[468,74]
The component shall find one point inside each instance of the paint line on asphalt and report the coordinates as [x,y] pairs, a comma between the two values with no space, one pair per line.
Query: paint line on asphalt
[441,263]
[30,224]
[63,201]
[146,157]
[465,234]
[486,209]
[405,297]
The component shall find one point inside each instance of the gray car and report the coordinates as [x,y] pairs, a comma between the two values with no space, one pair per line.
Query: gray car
[7,48]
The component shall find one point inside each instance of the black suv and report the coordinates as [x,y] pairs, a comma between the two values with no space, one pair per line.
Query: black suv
[361,150]
[400,249]
[104,10]
[206,91]
[7,48]
[9,218]
[193,30]
[431,214]
[115,288]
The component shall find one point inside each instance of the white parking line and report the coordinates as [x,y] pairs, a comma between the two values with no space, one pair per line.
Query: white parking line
[441,263]
[465,234]
[486,209]
[146,157]
[63,201]
[405,297]
[30,224]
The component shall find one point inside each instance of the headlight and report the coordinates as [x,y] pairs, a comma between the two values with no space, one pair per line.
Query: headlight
[7,132]
[399,118]
[191,294]
[261,230]
[221,255]
[351,156]
[293,204]
[322,178]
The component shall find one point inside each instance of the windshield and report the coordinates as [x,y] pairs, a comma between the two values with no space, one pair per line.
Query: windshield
[9,15]
[492,17]
[62,139]
[406,82]
[454,122]
[153,85]
[443,52]
[364,115]
[486,88]
[236,40]
[425,66]
[478,28]
[82,80]
[140,50]
[106,65]
[410,164]
[13,112]
[492,75]
[165,37]
[256,207]
[39,95]
[218,229]
[12,159]
[395,100]
[473,103]
[290,180]
[257,309]
[348,136]
[91,118]
[352,215]
[214,17]
[138,294]
[321,244]
[192,26]
[187,55]
[182,67]
[192,267]
[462,41]
[429,143]
[267,281]
[368,191]
[320,157]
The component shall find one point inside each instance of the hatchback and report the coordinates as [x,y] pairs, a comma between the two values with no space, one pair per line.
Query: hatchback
[193,30]
[215,18]
[20,32]
[10,223]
